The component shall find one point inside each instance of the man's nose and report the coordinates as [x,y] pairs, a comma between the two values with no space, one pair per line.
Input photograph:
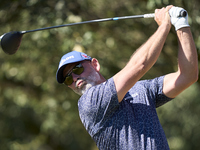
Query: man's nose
[75,77]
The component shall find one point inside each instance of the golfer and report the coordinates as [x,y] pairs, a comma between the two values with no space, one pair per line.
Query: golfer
[120,113]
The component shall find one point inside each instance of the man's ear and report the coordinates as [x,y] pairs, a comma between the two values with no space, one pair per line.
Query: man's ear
[95,64]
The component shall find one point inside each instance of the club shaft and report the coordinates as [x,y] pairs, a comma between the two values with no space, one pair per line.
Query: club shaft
[92,21]
[182,13]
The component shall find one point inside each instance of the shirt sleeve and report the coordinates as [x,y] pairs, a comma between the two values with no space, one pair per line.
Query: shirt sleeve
[160,97]
[97,105]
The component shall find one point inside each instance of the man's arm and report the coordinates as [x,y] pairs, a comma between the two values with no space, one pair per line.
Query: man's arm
[145,57]
[187,73]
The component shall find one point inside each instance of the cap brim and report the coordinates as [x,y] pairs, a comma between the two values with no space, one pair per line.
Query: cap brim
[59,74]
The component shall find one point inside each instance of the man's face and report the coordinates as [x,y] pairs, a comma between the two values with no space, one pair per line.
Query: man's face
[88,78]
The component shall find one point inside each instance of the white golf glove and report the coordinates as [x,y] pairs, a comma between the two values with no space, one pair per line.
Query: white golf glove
[176,19]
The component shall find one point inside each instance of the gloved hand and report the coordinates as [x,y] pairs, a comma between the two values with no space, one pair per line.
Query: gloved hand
[176,20]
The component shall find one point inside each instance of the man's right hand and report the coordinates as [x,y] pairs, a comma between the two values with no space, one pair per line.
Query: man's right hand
[162,16]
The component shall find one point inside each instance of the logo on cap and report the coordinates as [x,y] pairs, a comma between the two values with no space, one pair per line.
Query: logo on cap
[84,55]
[65,59]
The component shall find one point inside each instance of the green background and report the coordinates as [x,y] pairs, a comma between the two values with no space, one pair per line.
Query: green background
[37,113]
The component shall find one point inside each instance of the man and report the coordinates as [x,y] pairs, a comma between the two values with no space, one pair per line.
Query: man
[120,113]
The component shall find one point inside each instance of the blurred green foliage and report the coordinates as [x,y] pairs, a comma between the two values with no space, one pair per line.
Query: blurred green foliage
[37,113]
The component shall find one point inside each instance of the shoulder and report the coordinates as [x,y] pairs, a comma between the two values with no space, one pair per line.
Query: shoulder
[107,86]
[104,91]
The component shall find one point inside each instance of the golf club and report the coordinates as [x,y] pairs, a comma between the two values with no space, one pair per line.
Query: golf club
[10,42]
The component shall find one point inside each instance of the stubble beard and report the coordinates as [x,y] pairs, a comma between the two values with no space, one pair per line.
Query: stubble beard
[88,82]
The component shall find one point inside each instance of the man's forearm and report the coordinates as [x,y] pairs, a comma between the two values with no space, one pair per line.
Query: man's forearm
[187,56]
[145,57]
[150,51]
[187,74]
[141,61]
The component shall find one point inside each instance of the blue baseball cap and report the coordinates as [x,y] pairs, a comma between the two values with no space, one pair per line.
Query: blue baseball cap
[69,58]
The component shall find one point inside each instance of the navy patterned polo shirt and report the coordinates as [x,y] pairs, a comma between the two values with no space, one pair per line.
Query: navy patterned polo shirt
[132,124]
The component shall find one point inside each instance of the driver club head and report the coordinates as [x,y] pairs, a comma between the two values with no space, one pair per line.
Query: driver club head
[11,41]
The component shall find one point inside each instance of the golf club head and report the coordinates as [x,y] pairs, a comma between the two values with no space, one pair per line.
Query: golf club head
[11,41]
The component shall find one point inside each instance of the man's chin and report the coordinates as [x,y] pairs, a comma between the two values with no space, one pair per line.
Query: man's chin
[80,91]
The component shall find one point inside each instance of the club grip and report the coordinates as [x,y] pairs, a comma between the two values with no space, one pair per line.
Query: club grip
[149,15]
[182,13]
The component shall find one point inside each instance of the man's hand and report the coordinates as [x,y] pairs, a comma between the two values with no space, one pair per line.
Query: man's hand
[162,16]
[178,22]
